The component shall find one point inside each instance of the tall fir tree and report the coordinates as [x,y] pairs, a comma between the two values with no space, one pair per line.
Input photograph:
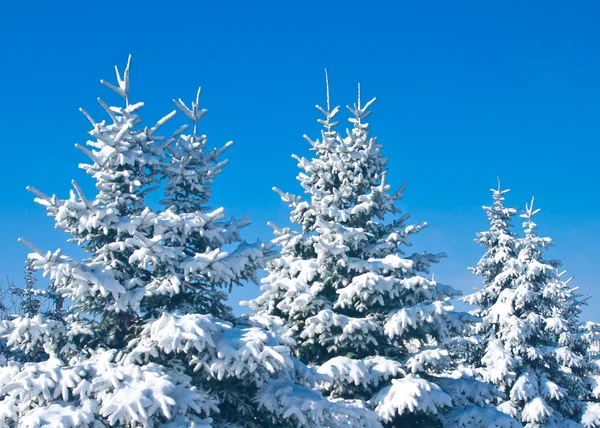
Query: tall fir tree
[534,349]
[356,306]
[144,345]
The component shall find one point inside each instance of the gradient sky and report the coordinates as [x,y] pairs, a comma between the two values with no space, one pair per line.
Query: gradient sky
[467,91]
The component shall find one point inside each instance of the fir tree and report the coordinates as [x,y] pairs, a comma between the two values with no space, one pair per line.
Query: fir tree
[591,416]
[28,302]
[533,346]
[143,344]
[501,247]
[354,304]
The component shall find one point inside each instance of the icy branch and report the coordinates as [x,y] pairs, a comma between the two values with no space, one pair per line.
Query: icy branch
[162,122]
[108,110]
[80,193]
[88,153]
[123,88]
[38,193]
[31,246]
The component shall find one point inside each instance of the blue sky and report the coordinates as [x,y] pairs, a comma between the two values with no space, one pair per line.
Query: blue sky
[467,91]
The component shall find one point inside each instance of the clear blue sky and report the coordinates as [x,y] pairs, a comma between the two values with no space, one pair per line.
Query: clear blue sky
[466,91]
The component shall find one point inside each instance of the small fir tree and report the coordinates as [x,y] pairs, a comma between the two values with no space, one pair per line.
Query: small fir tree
[29,302]
[533,343]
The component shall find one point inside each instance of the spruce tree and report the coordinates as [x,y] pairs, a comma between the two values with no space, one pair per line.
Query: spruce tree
[534,349]
[27,301]
[355,305]
[591,416]
[486,352]
[149,340]
[30,302]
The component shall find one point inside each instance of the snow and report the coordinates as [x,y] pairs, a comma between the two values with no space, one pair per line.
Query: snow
[409,394]
[536,411]
[360,331]
[591,416]
[368,372]
[478,417]
[58,414]
[27,334]
[305,407]
[415,317]
[525,387]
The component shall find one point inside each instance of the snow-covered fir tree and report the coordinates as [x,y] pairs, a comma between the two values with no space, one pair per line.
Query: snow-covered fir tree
[501,247]
[149,340]
[28,301]
[356,306]
[530,331]
[591,416]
